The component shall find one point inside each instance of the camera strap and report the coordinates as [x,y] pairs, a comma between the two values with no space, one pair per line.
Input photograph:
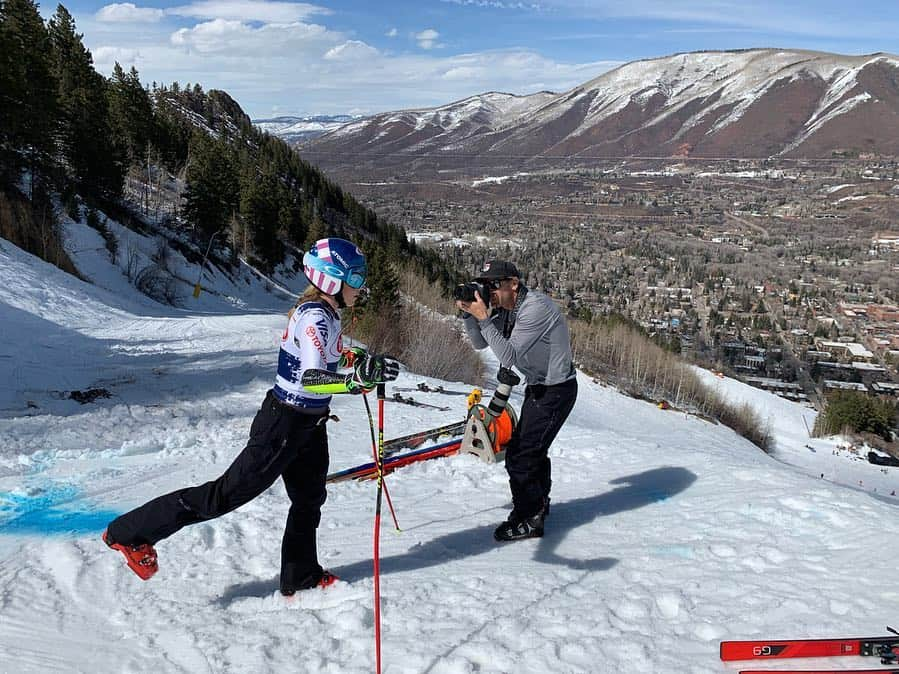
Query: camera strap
[509,323]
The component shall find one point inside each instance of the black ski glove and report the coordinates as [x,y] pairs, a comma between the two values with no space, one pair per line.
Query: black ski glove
[375,370]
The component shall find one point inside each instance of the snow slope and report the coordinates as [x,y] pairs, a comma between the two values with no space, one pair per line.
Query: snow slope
[832,459]
[667,534]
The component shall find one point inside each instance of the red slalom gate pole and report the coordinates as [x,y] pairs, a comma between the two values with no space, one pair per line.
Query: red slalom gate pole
[377,533]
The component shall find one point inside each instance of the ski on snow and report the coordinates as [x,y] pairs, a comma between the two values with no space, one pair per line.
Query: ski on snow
[391,463]
[885,648]
[423,387]
[413,440]
[399,398]
[393,458]
[819,671]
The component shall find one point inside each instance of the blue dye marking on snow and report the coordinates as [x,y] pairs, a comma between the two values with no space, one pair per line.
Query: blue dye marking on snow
[50,512]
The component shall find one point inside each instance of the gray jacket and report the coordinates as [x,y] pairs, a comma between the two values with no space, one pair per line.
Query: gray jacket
[539,346]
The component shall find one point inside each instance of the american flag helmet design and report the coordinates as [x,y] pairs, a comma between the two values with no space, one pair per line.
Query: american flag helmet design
[332,262]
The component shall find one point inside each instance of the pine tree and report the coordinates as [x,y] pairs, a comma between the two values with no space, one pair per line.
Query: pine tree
[383,284]
[171,134]
[130,113]
[9,96]
[259,209]
[86,140]
[28,105]
[317,230]
[212,185]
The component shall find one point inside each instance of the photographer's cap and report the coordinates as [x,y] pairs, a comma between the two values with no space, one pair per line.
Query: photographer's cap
[498,269]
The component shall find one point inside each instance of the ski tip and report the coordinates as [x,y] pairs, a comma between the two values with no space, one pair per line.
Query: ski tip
[819,671]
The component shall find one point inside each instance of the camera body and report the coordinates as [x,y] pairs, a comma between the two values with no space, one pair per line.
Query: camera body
[464,292]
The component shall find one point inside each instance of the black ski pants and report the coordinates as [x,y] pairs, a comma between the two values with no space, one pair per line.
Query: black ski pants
[544,411]
[283,442]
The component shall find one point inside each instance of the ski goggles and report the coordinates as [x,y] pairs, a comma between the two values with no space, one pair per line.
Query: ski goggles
[355,277]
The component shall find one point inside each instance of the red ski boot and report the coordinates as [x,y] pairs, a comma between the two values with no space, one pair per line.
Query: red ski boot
[141,558]
[326,580]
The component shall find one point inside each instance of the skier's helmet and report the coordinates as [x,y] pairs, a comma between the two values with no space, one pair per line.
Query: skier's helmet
[332,262]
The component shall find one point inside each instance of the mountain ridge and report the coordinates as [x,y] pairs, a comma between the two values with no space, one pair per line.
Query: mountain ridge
[292,128]
[744,103]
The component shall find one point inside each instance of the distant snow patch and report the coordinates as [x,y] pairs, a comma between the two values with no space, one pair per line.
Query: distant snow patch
[498,180]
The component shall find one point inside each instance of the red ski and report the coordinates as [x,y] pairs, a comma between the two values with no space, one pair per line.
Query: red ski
[885,648]
[819,671]
[368,471]
[414,440]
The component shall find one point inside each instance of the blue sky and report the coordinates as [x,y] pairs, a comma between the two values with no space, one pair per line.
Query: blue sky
[356,57]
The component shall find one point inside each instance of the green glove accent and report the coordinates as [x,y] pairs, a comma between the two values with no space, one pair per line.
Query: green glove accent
[328,389]
[328,383]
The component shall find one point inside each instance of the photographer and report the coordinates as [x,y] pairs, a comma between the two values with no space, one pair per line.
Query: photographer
[525,330]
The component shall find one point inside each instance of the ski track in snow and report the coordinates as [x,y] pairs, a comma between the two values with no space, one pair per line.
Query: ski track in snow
[667,533]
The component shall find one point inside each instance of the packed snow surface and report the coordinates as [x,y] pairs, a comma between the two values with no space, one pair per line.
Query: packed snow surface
[668,533]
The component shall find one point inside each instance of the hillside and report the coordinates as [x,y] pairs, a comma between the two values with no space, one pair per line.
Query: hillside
[749,103]
[667,534]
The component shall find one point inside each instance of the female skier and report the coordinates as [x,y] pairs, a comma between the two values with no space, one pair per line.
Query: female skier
[287,437]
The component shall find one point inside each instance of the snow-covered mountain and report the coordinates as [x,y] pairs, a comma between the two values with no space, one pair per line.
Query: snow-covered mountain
[297,129]
[668,533]
[752,103]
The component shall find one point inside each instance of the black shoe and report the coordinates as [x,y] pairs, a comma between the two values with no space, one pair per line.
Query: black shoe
[516,528]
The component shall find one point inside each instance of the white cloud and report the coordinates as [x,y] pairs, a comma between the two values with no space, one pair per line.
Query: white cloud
[286,65]
[393,32]
[305,67]
[249,10]
[427,39]
[420,81]
[235,38]
[824,18]
[498,4]
[106,57]
[127,12]
[463,73]
[350,51]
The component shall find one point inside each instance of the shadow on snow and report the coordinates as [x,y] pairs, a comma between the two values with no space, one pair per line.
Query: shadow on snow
[631,492]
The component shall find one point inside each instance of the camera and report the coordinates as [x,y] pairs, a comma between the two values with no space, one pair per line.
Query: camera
[464,292]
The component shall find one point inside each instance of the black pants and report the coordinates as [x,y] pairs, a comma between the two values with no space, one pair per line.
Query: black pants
[544,411]
[283,442]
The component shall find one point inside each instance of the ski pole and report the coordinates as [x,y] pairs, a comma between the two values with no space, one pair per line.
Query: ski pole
[377,450]
[381,469]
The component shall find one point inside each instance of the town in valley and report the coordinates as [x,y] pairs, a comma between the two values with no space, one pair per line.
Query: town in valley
[782,272]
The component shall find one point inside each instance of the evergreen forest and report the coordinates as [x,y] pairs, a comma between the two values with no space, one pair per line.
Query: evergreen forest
[76,141]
